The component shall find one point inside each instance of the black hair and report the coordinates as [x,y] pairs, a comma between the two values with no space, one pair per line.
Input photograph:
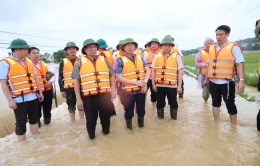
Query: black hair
[33,48]
[224,28]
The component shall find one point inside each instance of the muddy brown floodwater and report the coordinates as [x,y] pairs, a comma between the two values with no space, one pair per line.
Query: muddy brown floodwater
[194,139]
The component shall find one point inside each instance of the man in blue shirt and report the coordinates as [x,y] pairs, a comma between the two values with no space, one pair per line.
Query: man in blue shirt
[20,88]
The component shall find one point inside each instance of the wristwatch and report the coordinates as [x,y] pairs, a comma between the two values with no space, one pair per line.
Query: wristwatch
[241,79]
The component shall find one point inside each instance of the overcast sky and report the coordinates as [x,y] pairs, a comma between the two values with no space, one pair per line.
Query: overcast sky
[188,21]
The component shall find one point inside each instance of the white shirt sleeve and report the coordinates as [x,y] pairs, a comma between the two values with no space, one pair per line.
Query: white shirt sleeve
[179,62]
[145,57]
[180,53]
[238,54]
[154,60]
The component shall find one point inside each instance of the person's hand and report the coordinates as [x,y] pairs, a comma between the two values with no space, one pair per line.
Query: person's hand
[154,88]
[48,84]
[144,89]
[140,83]
[80,105]
[241,86]
[12,104]
[41,97]
[205,82]
[64,95]
[113,95]
[179,89]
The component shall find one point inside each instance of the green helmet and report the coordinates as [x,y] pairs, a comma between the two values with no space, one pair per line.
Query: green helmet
[129,40]
[170,37]
[88,42]
[102,43]
[153,40]
[121,42]
[71,44]
[167,40]
[18,43]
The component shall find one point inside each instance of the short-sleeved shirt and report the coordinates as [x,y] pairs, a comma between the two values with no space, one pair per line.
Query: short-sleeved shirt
[119,68]
[4,68]
[236,52]
[180,67]
[75,73]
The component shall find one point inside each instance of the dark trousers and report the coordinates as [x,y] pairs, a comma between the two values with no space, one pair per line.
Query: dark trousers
[153,93]
[71,100]
[129,106]
[24,111]
[46,105]
[227,91]
[171,94]
[98,105]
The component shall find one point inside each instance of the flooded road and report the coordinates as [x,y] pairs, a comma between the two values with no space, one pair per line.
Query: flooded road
[194,139]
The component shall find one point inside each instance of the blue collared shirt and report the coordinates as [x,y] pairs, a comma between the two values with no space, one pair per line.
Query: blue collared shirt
[4,68]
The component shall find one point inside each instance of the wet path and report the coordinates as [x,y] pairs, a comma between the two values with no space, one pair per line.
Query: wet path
[194,139]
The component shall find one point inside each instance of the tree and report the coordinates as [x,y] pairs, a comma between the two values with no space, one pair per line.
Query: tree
[59,55]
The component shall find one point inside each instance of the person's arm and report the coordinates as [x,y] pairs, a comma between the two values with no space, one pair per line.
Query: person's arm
[180,71]
[153,70]
[61,84]
[4,68]
[198,62]
[112,76]
[237,53]
[75,75]
[147,71]
[145,57]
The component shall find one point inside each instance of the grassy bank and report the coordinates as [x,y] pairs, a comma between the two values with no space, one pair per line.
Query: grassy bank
[251,60]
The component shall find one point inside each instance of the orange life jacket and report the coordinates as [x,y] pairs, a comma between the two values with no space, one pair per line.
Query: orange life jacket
[258,69]
[175,49]
[94,78]
[132,71]
[204,58]
[67,72]
[151,56]
[222,62]
[166,71]
[41,75]
[108,55]
[21,78]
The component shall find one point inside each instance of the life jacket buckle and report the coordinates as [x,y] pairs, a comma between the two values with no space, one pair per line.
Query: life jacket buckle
[162,79]
[30,81]
[44,82]
[31,88]
[163,67]
[138,78]
[28,74]
[214,74]
[137,72]
[96,73]
[42,76]
[97,80]
[163,73]
[98,88]
[215,60]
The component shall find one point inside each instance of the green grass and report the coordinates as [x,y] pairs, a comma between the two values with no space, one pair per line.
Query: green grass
[251,61]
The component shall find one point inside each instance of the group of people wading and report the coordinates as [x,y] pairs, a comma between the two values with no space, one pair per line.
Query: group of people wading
[92,81]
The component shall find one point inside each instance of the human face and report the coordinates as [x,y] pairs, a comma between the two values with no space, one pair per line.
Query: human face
[91,49]
[154,46]
[120,47]
[34,55]
[167,48]
[208,44]
[72,51]
[130,48]
[221,36]
[21,52]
